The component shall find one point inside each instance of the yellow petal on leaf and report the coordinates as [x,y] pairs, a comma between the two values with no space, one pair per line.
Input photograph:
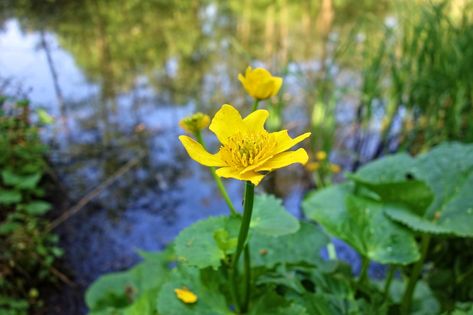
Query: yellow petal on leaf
[255,121]
[197,152]
[229,172]
[226,122]
[186,296]
[285,142]
[285,159]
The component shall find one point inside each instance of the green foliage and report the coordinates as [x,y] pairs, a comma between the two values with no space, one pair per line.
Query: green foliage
[130,292]
[205,243]
[204,283]
[270,218]
[27,252]
[208,242]
[288,275]
[447,171]
[428,194]
[360,221]
[268,251]
[425,302]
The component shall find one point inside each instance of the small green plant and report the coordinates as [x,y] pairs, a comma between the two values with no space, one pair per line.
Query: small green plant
[27,252]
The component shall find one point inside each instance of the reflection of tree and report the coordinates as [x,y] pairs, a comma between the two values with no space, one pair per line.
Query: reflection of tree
[175,44]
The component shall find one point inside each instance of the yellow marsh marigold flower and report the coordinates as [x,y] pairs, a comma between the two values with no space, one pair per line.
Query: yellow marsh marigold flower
[335,168]
[186,296]
[312,166]
[194,123]
[247,149]
[259,83]
[321,155]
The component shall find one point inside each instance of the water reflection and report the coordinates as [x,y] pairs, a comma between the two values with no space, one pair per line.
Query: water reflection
[120,74]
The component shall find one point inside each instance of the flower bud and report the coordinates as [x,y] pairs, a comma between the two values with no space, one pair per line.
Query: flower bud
[194,123]
[259,83]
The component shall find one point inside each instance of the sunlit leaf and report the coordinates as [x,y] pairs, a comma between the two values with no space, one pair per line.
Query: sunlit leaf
[448,171]
[44,117]
[361,222]
[20,181]
[203,283]
[390,178]
[9,196]
[301,247]
[202,244]
[271,218]
[37,207]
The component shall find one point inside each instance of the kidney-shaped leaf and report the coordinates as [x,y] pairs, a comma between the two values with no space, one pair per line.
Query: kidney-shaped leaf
[361,222]
[448,171]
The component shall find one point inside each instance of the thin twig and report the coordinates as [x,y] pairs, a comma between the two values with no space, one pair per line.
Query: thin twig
[94,193]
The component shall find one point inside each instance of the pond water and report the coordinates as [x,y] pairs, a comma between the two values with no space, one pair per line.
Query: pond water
[118,76]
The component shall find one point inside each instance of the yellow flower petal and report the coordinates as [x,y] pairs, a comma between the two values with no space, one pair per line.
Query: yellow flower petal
[277,85]
[229,172]
[285,159]
[197,152]
[285,142]
[226,122]
[255,121]
[186,296]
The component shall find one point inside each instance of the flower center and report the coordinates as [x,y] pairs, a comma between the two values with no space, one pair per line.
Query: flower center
[245,149]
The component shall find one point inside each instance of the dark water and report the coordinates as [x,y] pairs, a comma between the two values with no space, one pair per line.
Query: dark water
[118,76]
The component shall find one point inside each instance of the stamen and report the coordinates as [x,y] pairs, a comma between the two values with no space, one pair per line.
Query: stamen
[245,149]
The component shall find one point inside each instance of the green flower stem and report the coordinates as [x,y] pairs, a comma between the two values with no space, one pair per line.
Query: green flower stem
[389,280]
[331,251]
[242,238]
[247,266]
[365,263]
[417,269]
[217,179]
[255,105]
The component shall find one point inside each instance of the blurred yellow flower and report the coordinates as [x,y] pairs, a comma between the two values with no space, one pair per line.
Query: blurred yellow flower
[186,296]
[321,155]
[312,166]
[335,168]
[259,83]
[194,123]
[247,149]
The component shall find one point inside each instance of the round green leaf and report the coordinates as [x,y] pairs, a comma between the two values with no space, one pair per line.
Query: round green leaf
[271,218]
[361,222]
